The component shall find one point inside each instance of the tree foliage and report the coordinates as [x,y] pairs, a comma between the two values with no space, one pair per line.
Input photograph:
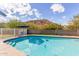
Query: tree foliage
[43,24]
[74,24]
[14,23]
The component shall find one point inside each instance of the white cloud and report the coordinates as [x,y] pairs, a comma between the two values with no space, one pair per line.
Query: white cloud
[13,1]
[3,19]
[24,9]
[12,17]
[57,8]
[21,8]
[37,13]
[30,13]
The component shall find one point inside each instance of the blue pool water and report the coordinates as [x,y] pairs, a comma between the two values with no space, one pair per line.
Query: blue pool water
[46,46]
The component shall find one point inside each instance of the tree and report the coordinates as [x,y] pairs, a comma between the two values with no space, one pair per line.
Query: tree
[54,26]
[2,25]
[14,23]
[74,24]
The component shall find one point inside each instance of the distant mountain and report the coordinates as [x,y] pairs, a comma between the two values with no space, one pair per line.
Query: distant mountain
[40,21]
[43,24]
[39,24]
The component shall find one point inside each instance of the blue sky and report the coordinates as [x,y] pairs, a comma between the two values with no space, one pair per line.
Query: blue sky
[71,9]
[60,13]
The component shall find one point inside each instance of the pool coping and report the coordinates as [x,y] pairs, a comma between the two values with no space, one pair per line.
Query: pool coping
[63,36]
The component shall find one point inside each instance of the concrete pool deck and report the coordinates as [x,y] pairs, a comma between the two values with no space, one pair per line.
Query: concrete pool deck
[6,50]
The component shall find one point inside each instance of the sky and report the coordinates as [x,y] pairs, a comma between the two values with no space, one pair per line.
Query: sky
[60,13]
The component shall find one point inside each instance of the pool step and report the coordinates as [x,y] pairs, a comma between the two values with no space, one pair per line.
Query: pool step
[11,43]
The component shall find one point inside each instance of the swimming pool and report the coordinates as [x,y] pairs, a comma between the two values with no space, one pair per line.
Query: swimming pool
[46,45]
